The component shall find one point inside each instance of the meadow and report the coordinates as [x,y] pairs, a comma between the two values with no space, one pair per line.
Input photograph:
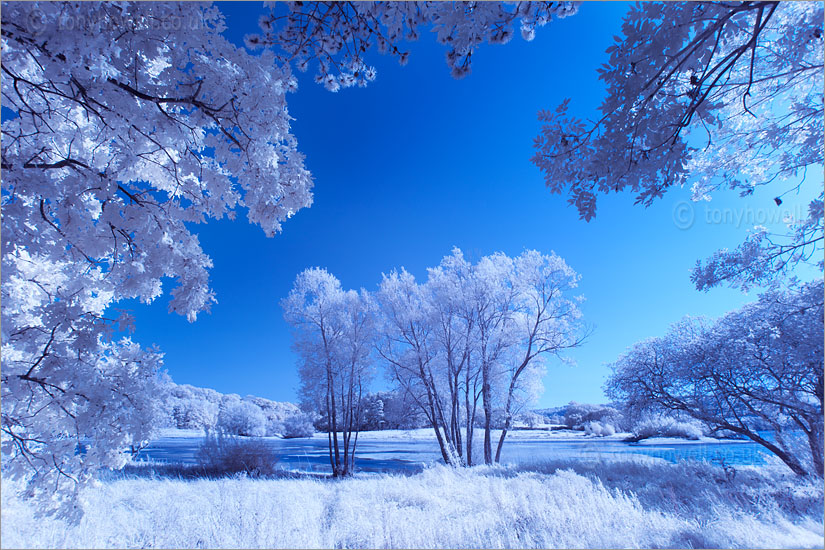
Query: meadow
[627,502]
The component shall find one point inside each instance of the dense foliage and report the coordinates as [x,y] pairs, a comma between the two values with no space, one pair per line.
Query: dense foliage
[123,125]
[756,372]
[191,407]
[712,95]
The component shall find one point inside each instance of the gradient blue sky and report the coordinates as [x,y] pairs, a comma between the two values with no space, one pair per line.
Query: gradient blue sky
[417,163]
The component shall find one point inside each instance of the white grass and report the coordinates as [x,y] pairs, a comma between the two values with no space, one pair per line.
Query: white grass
[638,503]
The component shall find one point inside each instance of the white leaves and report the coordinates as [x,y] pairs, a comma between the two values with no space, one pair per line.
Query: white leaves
[343,33]
[132,120]
[506,310]
[681,106]
[696,95]
[764,258]
[755,369]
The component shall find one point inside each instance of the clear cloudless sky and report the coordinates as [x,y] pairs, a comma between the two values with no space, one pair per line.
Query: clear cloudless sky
[417,163]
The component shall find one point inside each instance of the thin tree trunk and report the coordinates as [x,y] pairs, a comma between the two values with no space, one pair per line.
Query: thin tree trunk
[329,434]
[334,428]
[356,427]
[455,415]
[488,413]
[469,434]
[507,417]
[438,414]
[444,454]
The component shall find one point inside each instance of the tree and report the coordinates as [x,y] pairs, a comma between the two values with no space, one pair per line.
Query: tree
[546,322]
[284,419]
[493,296]
[333,335]
[476,332]
[454,328]
[238,417]
[372,412]
[405,343]
[122,124]
[757,368]
[400,412]
[191,407]
[578,415]
[337,34]
[299,425]
[711,94]
[194,414]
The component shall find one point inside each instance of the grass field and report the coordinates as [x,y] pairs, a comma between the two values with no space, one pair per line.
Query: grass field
[626,503]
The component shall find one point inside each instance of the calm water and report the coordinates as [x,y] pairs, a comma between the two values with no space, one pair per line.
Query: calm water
[404,455]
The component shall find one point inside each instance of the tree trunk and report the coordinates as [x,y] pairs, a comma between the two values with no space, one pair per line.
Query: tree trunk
[507,414]
[488,413]
[470,418]
[455,415]
[815,442]
[329,431]
[787,458]
[336,470]
[444,453]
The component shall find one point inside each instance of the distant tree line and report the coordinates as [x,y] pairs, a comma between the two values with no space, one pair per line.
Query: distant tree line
[191,407]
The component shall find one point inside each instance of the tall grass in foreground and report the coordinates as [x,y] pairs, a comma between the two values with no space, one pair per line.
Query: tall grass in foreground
[563,504]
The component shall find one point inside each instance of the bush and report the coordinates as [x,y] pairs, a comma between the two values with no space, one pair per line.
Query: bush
[242,418]
[530,419]
[578,415]
[666,426]
[221,455]
[597,428]
[194,414]
[298,425]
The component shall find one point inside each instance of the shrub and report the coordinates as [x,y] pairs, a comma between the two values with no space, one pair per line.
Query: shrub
[221,454]
[299,425]
[242,418]
[597,428]
[531,419]
[578,415]
[194,414]
[666,426]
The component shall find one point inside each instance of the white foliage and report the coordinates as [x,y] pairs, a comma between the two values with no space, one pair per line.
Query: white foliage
[597,428]
[333,335]
[757,369]
[342,32]
[707,95]
[660,425]
[469,343]
[241,418]
[132,121]
[191,407]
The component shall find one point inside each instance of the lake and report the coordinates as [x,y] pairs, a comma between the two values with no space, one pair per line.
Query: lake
[397,454]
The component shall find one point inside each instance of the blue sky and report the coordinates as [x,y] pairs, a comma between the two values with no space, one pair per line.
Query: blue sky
[417,163]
